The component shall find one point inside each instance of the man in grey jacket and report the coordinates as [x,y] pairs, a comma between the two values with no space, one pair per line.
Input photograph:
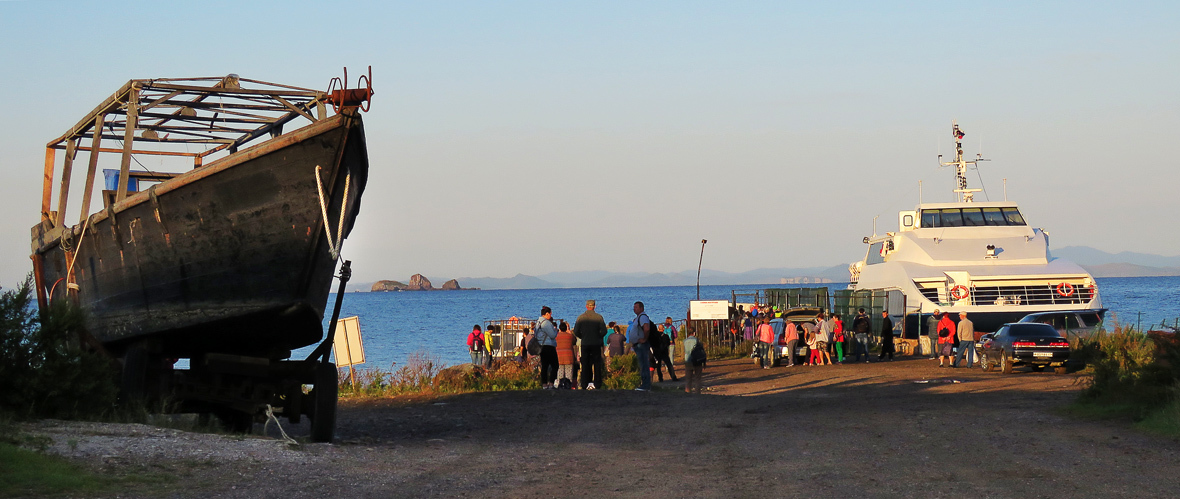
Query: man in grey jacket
[546,335]
[932,333]
[966,330]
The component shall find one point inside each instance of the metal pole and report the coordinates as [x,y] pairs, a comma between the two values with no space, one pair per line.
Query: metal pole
[702,261]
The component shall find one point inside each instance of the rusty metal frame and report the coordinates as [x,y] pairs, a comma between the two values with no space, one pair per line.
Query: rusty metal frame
[160,117]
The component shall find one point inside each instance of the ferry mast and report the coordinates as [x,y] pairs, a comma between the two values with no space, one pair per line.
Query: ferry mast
[963,194]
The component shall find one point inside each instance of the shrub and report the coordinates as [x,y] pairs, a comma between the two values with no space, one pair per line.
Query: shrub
[622,373]
[1123,369]
[46,372]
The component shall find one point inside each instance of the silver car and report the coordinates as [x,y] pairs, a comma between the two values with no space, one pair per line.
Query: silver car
[1072,325]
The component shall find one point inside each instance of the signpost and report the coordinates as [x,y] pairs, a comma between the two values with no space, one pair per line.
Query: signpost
[347,346]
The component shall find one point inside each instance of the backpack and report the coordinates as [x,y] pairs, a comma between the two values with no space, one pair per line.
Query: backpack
[565,384]
[533,346]
[477,343]
[697,356]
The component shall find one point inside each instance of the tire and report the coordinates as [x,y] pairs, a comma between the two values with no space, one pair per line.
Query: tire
[133,380]
[985,363]
[324,395]
[1005,363]
[1060,370]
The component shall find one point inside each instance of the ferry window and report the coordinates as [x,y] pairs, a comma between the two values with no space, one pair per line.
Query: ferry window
[973,217]
[1012,216]
[930,218]
[952,218]
[907,220]
[874,256]
[993,216]
[1091,319]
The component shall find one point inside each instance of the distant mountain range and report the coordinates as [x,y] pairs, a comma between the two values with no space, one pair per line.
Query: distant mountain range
[1097,262]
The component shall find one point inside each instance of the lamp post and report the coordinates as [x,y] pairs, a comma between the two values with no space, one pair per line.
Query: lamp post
[703,241]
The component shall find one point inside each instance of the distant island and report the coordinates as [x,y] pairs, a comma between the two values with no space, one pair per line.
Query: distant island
[418,282]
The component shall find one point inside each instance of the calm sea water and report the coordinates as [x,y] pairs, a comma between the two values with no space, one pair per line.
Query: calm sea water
[396,325]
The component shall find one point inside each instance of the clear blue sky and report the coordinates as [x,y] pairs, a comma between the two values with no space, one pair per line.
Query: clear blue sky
[533,137]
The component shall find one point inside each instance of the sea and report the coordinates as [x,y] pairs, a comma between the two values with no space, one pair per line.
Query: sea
[396,325]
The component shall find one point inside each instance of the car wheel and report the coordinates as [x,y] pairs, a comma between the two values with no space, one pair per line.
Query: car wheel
[1059,369]
[985,363]
[1005,364]
[1038,368]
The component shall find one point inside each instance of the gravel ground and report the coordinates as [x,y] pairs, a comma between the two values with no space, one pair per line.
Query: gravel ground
[893,429]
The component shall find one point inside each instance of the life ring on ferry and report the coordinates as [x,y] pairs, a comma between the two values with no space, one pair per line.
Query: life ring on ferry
[1065,289]
[960,292]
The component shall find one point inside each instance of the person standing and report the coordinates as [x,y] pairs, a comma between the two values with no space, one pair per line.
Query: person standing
[765,335]
[860,326]
[693,371]
[488,356]
[475,345]
[616,343]
[946,339]
[565,357]
[932,333]
[811,338]
[886,336]
[824,337]
[637,335]
[791,339]
[589,328]
[966,341]
[660,358]
[778,329]
[546,334]
[838,337]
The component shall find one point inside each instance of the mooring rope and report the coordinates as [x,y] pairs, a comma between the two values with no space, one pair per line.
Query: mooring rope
[270,416]
[333,245]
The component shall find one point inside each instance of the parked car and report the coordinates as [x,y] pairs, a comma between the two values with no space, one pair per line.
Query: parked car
[1034,344]
[798,316]
[1071,325]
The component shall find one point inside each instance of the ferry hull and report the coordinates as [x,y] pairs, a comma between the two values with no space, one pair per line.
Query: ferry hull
[231,257]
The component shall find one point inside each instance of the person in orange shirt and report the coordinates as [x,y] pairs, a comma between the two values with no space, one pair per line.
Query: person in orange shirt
[566,356]
[765,340]
[946,339]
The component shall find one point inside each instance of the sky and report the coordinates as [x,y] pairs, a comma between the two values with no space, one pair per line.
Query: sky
[534,137]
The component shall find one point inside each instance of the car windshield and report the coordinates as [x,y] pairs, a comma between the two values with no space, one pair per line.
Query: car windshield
[1032,330]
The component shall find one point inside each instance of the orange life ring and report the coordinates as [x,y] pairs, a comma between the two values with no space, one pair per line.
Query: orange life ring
[959,292]
[1065,289]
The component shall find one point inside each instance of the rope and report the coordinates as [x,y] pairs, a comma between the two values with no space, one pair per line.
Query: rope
[270,416]
[333,245]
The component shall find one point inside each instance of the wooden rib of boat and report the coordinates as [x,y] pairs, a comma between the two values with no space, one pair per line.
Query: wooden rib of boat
[235,255]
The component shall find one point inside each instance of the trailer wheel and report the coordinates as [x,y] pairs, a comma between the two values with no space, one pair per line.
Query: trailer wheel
[324,394]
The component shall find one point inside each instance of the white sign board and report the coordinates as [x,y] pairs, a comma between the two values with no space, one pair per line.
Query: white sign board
[347,346]
[707,310]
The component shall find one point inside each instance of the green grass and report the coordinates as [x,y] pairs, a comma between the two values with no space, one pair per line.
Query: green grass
[26,472]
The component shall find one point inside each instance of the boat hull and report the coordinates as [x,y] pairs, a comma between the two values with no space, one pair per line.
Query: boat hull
[231,257]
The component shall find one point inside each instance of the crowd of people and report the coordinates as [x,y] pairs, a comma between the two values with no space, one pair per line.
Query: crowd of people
[576,356]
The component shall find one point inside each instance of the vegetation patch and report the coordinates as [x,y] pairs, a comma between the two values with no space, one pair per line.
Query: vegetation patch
[1134,375]
[46,371]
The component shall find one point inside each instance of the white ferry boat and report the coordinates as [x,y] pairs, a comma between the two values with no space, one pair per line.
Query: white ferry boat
[982,258]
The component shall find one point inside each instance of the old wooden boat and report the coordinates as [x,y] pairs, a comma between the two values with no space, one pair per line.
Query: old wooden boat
[227,259]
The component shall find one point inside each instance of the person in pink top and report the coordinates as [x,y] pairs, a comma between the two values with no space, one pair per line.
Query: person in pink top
[791,339]
[765,340]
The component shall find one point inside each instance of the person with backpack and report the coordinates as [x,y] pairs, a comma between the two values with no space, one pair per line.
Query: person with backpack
[694,361]
[590,329]
[475,345]
[566,357]
[637,335]
[660,347]
[861,325]
[546,336]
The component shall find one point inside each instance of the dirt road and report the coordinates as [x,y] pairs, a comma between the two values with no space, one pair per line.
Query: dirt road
[892,429]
